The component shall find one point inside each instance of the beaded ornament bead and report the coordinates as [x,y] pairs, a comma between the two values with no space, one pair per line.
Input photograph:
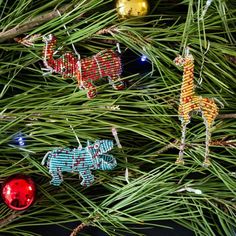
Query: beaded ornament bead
[106,63]
[189,102]
[80,160]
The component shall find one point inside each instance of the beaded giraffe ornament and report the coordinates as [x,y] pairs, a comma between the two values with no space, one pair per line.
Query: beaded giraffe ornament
[190,102]
[106,63]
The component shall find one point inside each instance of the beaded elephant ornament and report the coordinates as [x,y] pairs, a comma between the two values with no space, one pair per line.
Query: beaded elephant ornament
[106,63]
[190,102]
[80,160]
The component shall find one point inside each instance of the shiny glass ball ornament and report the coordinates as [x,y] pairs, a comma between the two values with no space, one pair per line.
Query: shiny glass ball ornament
[18,192]
[130,8]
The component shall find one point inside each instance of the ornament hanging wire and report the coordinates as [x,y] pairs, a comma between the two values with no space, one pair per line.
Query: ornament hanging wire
[115,134]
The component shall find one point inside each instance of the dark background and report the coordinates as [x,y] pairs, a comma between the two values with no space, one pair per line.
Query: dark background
[176,230]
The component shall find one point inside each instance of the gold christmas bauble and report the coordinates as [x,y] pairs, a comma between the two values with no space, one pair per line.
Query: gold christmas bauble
[129,8]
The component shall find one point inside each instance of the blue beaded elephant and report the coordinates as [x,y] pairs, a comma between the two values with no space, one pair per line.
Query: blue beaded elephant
[81,160]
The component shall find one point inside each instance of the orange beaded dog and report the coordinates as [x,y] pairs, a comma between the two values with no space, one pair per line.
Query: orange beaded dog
[189,102]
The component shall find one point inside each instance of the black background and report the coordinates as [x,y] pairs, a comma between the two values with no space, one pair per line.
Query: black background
[176,230]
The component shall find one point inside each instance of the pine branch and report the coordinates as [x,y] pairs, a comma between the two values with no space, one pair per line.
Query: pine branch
[35,116]
[175,143]
[37,106]
[82,225]
[8,219]
[78,229]
[168,146]
[32,23]
[226,116]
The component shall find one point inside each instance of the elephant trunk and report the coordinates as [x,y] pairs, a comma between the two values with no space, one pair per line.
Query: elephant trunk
[106,162]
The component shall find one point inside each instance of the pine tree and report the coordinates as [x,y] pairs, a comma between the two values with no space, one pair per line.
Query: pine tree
[49,111]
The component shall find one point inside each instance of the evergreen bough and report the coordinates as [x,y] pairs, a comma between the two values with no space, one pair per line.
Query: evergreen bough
[43,107]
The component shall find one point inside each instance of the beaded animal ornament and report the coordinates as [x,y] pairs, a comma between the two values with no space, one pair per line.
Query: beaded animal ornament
[106,63]
[190,102]
[81,160]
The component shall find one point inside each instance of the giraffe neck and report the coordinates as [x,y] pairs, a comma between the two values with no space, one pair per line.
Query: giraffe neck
[187,89]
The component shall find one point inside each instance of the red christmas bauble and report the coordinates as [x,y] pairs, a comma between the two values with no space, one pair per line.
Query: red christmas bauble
[18,192]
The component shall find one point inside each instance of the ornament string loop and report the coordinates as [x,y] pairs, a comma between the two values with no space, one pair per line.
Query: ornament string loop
[203,61]
[208,3]
[115,134]
[118,48]
[73,46]
[77,138]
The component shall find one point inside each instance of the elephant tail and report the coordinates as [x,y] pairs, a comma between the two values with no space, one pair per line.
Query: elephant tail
[45,158]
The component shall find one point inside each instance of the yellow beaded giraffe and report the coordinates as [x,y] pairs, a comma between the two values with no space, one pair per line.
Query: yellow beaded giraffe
[189,102]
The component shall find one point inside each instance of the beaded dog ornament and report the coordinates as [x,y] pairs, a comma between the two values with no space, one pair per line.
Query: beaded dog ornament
[189,102]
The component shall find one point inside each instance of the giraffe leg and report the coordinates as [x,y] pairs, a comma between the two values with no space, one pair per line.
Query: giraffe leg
[180,159]
[209,113]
